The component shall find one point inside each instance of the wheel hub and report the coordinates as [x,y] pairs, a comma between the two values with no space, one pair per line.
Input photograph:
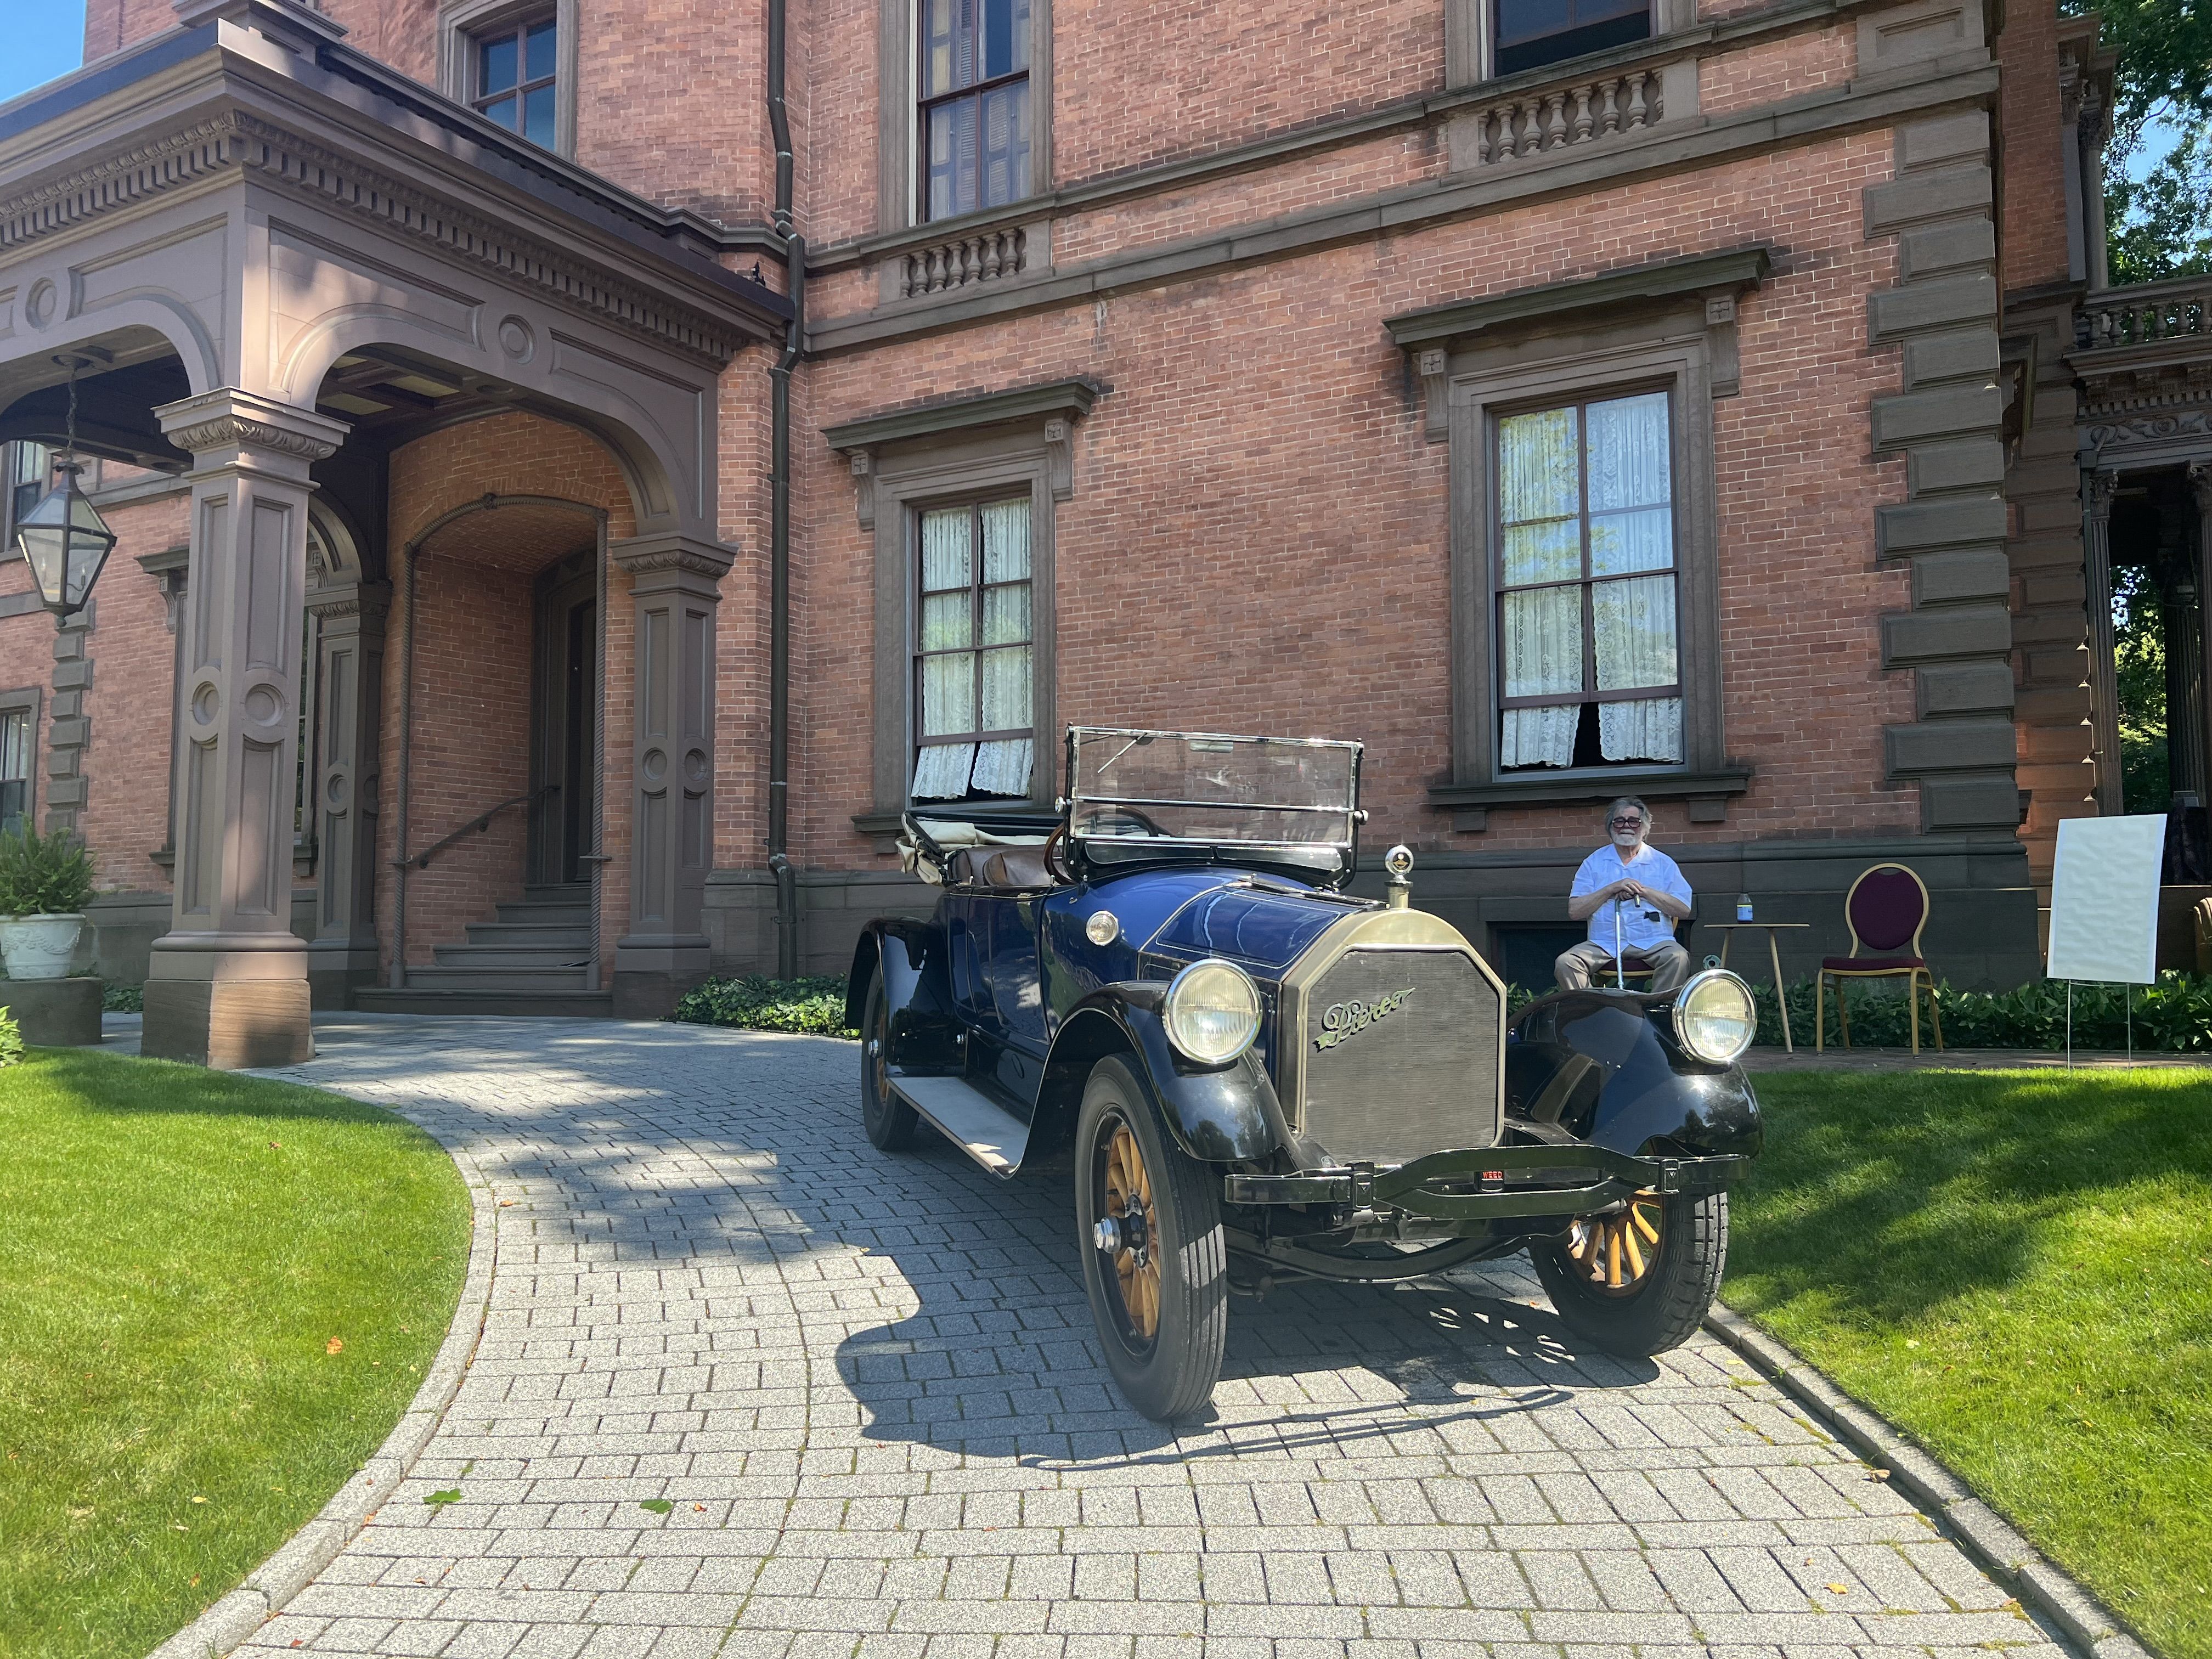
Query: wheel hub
[1122,1233]
[1613,1252]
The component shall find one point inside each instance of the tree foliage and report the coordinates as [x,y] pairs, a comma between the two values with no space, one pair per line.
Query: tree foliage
[2160,225]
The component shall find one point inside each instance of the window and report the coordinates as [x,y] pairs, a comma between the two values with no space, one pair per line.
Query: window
[1588,644]
[514,75]
[29,470]
[16,764]
[1530,32]
[974,105]
[973,664]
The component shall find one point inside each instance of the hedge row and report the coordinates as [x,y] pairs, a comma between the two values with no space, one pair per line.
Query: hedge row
[2174,1015]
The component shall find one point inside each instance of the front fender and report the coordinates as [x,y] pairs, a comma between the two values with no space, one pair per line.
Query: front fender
[918,986]
[1596,1064]
[1218,1113]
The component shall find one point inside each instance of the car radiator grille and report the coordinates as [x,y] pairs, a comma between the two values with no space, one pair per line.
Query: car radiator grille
[1400,1056]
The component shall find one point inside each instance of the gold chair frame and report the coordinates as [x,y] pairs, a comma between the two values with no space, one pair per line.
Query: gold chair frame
[1916,976]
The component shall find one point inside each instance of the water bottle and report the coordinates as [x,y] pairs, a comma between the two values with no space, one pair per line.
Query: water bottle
[1743,907]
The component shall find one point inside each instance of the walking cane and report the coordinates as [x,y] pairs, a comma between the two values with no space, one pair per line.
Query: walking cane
[1620,973]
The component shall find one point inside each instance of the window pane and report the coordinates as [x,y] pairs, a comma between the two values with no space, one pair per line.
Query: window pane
[15,746]
[948,693]
[496,65]
[1006,37]
[1006,615]
[539,52]
[1538,736]
[1628,456]
[952,137]
[1623,542]
[1006,158]
[1536,466]
[1006,541]
[1550,552]
[946,549]
[1525,20]
[1543,642]
[502,112]
[1651,730]
[941,771]
[948,622]
[1005,689]
[943,38]
[1633,621]
[537,116]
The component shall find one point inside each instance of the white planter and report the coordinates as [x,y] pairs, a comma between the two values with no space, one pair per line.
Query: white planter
[39,947]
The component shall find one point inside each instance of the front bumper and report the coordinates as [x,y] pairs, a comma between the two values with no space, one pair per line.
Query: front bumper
[1494,1183]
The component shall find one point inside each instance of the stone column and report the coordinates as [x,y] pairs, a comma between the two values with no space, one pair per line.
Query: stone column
[675,589]
[2200,486]
[229,981]
[2097,487]
[350,669]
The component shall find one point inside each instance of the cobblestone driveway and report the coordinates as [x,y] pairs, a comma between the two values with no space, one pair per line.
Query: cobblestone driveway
[862,1394]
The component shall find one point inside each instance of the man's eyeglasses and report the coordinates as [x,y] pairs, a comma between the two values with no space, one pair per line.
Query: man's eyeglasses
[1625,824]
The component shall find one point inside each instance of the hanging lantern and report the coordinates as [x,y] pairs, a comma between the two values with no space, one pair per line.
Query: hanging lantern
[63,538]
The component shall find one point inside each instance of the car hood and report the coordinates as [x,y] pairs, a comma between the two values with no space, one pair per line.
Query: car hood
[1218,914]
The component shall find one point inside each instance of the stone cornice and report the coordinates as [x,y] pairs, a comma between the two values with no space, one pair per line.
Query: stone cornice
[673,554]
[1668,279]
[227,418]
[1068,398]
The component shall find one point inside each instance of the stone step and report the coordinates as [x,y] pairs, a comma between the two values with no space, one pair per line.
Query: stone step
[550,1005]
[475,954]
[546,915]
[539,935]
[440,977]
[567,892]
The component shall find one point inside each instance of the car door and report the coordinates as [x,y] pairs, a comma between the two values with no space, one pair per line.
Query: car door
[1013,970]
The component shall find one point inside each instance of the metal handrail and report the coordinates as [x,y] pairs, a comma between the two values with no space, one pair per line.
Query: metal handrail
[475,826]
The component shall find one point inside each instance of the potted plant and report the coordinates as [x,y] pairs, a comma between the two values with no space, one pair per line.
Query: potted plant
[45,881]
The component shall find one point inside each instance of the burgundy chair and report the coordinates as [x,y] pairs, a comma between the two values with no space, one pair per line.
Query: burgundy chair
[1885,909]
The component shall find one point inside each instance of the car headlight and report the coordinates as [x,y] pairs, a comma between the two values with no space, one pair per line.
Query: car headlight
[1715,1017]
[1212,1011]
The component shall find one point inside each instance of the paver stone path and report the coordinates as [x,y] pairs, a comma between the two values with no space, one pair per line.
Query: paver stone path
[862,1395]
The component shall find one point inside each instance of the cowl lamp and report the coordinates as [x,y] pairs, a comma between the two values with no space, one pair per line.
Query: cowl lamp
[63,538]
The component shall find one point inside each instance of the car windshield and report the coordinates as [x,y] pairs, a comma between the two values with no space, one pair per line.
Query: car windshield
[1129,790]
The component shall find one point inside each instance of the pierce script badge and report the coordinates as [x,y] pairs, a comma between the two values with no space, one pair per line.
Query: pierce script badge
[1342,1020]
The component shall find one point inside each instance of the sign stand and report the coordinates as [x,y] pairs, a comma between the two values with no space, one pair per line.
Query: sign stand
[2104,909]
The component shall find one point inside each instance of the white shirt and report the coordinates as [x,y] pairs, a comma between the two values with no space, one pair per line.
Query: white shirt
[1642,925]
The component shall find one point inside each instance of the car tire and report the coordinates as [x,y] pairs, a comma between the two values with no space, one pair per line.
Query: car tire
[1657,1309]
[1161,1300]
[890,1121]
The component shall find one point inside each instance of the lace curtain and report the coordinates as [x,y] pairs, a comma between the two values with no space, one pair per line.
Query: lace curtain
[969,684]
[1609,462]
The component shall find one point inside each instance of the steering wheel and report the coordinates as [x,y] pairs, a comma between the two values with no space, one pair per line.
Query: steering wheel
[1053,866]
[1130,814]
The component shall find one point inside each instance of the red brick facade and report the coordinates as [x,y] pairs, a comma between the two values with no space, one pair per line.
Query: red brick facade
[1258,529]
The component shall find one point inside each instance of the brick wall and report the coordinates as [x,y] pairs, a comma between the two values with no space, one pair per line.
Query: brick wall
[133,655]
[1259,537]
[472,699]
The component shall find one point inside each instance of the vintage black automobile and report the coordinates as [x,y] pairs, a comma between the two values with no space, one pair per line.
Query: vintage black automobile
[1260,1077]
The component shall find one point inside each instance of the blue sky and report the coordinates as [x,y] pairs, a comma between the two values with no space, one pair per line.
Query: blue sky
[38,39]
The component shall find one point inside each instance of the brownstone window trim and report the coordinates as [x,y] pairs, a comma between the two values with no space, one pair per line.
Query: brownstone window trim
[463,23]
[1500,378]
[28,702]
[977,588]
[902,169]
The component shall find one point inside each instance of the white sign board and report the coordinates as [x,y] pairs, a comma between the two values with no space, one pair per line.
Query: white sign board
[2104,899]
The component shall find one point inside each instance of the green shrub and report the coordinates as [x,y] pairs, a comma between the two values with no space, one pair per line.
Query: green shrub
[123,999]
[11,1040]
[43,875]
[757,1003]
[2174,1015]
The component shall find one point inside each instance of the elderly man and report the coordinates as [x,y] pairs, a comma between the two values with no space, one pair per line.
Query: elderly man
[1630,892]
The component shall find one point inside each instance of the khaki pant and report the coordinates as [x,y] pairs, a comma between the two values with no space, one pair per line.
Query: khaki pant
[1670,965]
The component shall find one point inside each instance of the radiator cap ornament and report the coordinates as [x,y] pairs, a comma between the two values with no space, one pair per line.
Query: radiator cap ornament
[1397,865]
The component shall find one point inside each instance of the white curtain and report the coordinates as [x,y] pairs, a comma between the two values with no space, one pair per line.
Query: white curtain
[1634,623]
[1543,657]
[1003,768]
[1631,486]
[948,624]
[941,770]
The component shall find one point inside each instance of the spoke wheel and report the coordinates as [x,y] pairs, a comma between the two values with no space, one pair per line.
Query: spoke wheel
[1155,1260]
[1128,1199]
[1638,1280]
[1616,1252]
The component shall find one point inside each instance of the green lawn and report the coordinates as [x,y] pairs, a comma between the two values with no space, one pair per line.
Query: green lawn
[179,1251]
[2016,1268]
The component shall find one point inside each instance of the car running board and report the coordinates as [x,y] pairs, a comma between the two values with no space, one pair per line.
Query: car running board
[970,1118]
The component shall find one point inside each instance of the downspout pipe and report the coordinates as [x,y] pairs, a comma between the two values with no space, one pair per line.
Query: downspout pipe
[779,533]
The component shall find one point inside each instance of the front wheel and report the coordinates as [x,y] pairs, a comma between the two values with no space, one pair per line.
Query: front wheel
[1638,1280]
[889,1121]
[1148,1224]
